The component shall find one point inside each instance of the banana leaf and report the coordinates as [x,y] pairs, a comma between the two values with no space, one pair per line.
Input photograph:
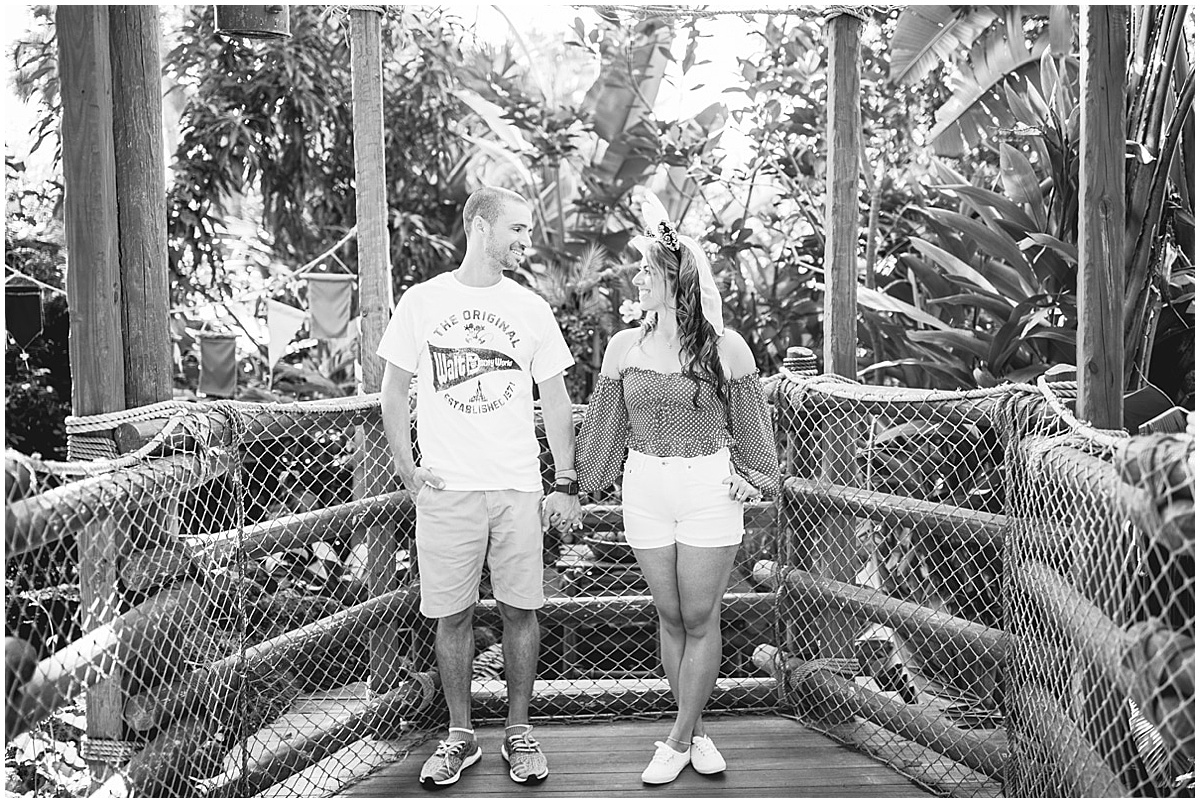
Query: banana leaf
[927,36]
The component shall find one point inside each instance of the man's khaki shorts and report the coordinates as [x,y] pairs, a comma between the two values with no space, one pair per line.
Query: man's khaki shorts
[457,529]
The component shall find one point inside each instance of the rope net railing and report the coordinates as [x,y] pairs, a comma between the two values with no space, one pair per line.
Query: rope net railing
[984,592]
[225,603]
[971,586]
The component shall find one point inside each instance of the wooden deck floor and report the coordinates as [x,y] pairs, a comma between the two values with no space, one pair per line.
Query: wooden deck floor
[768,756]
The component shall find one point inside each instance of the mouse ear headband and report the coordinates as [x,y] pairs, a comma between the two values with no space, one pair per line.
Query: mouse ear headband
[658,227]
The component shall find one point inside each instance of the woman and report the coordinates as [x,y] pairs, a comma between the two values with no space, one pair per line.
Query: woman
[680,404]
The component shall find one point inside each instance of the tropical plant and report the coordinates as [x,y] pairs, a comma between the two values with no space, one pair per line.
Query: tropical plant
[992,266]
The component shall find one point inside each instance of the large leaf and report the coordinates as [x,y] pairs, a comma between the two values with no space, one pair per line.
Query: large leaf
[977,107]
[954,339]
[953,372]
[953,265]
[493,115]
[995,242]
[927,36]
[998,307]
[882,302]
[1021,183]
[978,198]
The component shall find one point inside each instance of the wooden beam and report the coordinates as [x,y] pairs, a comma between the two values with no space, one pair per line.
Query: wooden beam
[141,201]
[1100,345]
[43,519]
[910,722]
[953,635]
[373,474]
[843,135]
[948,521]
[90,204]
[609,697]
[96,345]
[835,548]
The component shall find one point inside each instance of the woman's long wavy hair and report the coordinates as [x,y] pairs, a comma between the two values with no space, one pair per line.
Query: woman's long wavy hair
[697,338]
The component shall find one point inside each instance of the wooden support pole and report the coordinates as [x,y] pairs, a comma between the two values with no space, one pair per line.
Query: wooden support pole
[835,549]
[843,133]
[373,475]
[96,343]
[1100,345]
[90,204]
[141,201]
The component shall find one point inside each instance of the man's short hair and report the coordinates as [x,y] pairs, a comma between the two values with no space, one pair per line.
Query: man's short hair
[486,202]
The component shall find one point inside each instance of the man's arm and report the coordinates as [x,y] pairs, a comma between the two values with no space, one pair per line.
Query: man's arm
[397,425]
[560,433]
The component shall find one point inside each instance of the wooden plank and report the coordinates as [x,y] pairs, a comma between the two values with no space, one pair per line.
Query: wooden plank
[140,189]
[768,757]
[1100,355]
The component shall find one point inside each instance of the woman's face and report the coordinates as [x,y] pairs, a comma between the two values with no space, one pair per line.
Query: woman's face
[651,285]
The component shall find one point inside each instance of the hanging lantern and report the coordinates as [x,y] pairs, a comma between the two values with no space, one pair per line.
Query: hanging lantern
[22,311]
[256,22]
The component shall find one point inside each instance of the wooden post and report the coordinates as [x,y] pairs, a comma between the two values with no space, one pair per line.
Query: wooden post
[375,305]
[835,549]
[1100,349]
[89,172]
[95,300]
[141,201]
[1100,346]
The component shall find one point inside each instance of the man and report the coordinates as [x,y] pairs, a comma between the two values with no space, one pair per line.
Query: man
[477,341]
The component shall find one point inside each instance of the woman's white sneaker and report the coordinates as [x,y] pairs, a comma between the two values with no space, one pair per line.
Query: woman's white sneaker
[666,764]
[706,758]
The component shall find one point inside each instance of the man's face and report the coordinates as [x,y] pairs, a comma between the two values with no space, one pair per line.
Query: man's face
[506,240]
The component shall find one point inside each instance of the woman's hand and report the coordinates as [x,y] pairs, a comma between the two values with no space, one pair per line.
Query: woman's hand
[740,490]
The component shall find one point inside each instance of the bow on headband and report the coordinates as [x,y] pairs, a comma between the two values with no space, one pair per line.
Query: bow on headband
[659,228]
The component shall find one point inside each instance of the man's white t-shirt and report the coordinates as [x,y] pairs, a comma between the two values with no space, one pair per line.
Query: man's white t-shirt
[476,352]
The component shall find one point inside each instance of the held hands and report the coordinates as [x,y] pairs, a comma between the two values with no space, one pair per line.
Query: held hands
[740,490]
[562,511]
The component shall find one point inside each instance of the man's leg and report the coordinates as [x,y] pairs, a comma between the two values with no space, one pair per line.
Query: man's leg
[521,649]
[455,649]
[451,543]
[515,557]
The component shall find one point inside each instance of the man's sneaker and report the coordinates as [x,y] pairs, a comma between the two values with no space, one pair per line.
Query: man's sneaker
[526,761]
[447,763]
[706,758]
[666,764]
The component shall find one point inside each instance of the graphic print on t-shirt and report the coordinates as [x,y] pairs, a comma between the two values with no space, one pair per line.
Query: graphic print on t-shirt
[468,358]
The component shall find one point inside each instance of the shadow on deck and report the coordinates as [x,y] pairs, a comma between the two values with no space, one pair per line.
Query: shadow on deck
[768,756]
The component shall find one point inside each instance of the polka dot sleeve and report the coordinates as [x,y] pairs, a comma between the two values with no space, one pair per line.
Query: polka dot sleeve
[753,452]
[603,436]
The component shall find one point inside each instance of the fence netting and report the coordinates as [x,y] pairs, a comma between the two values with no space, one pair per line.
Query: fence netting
[223,599]
[220,599]
[979,577]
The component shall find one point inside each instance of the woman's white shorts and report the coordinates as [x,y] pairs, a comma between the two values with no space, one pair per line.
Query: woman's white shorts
[668,500]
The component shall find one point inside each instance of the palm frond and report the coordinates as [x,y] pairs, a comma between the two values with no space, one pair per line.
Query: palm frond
[978,107]
[927,36]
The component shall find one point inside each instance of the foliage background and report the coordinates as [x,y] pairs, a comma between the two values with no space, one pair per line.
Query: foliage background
[967,236]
